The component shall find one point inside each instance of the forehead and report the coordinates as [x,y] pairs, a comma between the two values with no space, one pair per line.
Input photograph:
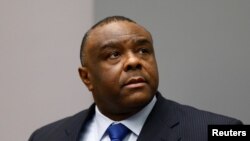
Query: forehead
[117,31]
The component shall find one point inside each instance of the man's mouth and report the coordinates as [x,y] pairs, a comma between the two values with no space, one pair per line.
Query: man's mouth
[135,82]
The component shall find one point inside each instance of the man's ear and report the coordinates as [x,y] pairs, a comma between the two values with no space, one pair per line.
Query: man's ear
[85,76]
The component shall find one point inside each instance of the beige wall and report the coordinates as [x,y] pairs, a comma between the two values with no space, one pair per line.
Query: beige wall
[202,48]
[39,49]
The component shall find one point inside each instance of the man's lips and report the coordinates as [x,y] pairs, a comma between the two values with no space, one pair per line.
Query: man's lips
[135,82]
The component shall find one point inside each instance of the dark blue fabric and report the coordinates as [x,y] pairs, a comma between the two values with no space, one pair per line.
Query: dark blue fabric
[117,132]
[168,121]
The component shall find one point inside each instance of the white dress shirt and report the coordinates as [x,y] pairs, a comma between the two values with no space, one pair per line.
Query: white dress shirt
[96,128]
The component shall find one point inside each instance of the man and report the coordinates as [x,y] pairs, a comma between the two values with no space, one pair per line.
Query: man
[120,70]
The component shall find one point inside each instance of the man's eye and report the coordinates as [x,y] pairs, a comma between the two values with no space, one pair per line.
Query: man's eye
[114,55]
[144,50]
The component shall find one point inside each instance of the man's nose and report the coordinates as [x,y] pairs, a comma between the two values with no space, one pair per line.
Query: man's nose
[132,62]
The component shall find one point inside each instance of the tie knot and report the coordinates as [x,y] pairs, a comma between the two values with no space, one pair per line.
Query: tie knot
[117,132]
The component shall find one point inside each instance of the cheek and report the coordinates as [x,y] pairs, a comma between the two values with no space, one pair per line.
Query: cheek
[151,66]
[110,74]
[152,70]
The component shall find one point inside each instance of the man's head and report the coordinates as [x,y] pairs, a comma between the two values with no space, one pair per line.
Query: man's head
[119,66]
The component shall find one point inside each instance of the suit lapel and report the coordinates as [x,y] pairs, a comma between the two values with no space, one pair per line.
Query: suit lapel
[74,129]
[161,123]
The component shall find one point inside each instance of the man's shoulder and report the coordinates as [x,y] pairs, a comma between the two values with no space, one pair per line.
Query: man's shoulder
[182,121]
[192,114]
[62,126]
[64,122]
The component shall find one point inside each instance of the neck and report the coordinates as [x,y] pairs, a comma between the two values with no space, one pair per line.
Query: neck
[119,115]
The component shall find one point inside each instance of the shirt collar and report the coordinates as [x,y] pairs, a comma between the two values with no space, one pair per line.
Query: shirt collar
[134,123]
[102,123]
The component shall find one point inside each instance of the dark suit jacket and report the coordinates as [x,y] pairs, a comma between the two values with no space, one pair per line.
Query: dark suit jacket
[168,121]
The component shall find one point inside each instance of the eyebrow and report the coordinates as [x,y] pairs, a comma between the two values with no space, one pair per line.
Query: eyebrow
[139,41]
[142,41]
[109,44]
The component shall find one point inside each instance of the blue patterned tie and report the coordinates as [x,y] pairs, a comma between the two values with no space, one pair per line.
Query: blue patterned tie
[117,132]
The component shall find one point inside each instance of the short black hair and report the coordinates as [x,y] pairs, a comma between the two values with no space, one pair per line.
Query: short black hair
[104,21]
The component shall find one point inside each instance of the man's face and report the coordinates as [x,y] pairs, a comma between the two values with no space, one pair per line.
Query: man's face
[120,68]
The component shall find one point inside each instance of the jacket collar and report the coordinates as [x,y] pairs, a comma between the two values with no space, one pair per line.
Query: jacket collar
[162,122]
[79,122]
[159,126]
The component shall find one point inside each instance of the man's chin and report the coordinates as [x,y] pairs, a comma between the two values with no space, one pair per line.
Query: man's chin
[138,98]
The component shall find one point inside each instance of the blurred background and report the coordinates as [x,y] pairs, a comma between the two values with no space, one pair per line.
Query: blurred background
[202,49]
